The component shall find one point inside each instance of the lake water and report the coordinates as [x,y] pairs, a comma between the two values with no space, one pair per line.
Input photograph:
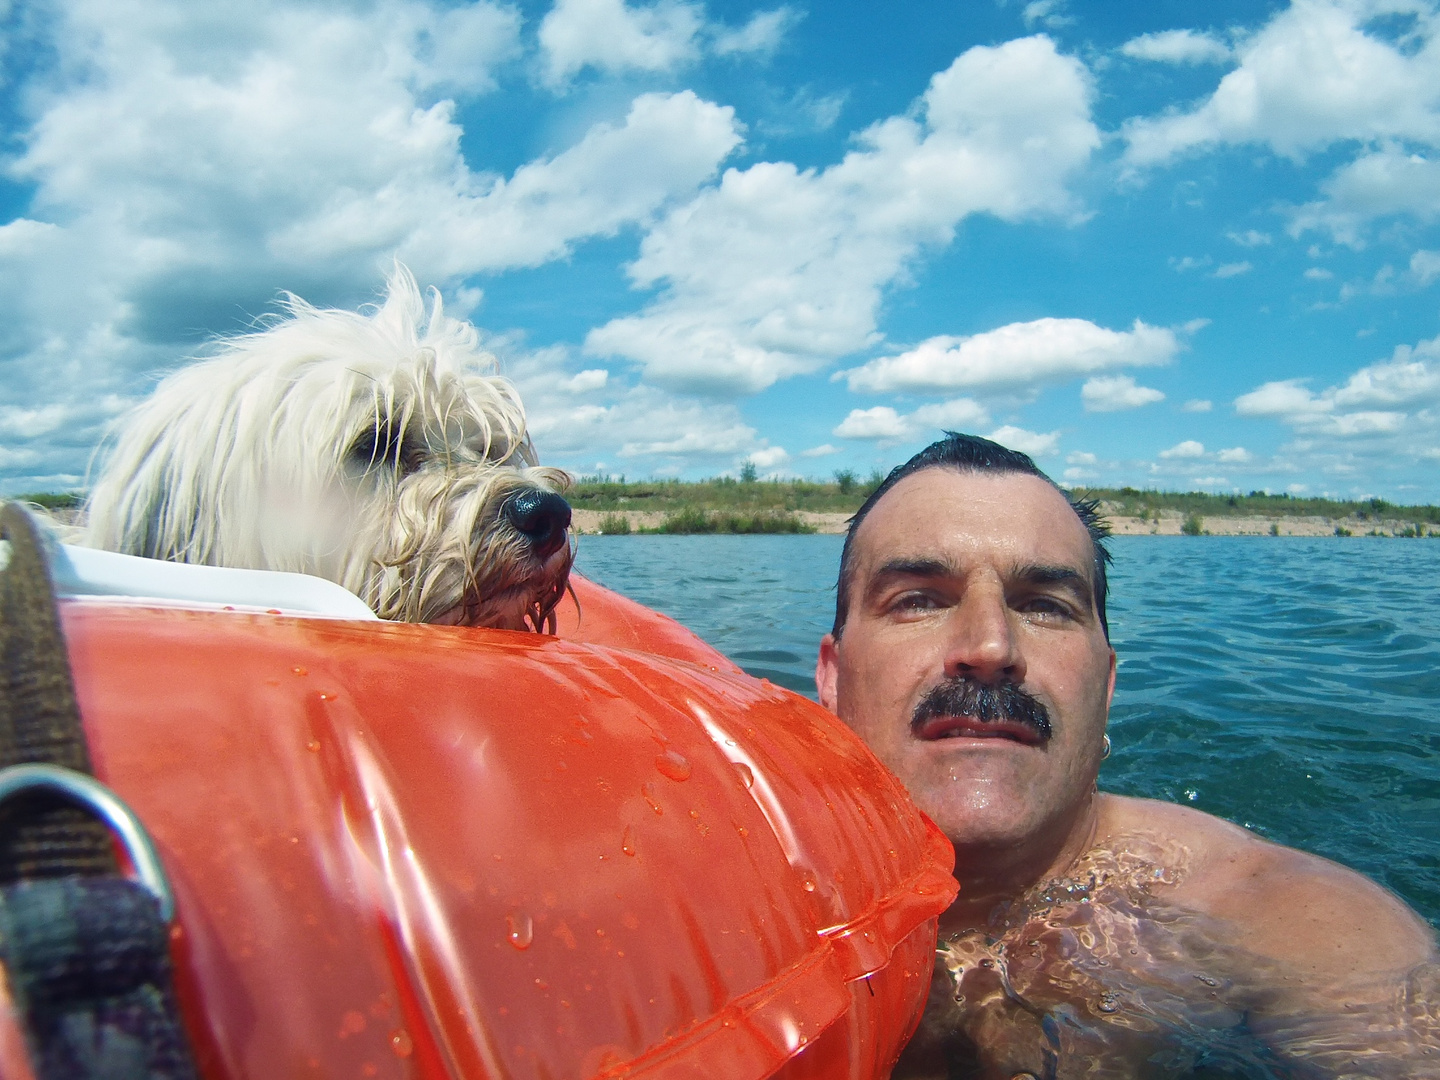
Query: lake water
[1290,685]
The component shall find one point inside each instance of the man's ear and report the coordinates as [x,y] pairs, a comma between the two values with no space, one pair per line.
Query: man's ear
[1110,687]
[827,673]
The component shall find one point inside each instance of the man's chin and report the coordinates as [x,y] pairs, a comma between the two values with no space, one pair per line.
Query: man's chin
[991,829]
[988,803]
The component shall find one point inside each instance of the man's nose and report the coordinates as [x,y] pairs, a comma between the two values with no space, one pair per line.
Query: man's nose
[984,644]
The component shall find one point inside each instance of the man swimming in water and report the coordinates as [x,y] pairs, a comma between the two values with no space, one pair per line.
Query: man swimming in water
[1094,935]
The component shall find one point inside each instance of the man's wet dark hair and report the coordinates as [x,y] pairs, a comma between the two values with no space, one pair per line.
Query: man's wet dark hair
[970,453]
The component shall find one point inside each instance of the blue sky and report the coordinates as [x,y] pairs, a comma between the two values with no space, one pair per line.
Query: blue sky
[1175,245]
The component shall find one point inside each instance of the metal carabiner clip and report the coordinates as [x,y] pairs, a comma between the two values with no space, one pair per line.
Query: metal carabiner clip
[109,808]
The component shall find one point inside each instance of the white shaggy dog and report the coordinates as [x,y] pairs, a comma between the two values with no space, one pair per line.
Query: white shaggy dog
[378,450]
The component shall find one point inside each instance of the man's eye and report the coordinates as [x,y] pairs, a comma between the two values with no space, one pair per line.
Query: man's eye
[914,602]
[1046,606]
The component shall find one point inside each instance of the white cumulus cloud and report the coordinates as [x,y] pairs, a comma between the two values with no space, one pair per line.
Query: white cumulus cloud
[1249,238]
[1311,76]
[1027,442]
[1177,47]
[881,422]
[769,457]
[188,160]
[1321,73]
[1112,393]
[615,37]
[1049,13]
[1044,350]
[1379,399]
[585,381]
[779,270]
[760,35]
[1190,448]
[886,424]
[618,419]
[1425,266]
[1383,183]
[617,174]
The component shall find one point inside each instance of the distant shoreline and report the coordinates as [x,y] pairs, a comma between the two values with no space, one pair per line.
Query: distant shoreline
[605,504]
[1170,523]
[724,505]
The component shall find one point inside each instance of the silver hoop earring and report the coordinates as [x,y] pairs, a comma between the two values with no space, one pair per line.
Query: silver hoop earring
[1104,747]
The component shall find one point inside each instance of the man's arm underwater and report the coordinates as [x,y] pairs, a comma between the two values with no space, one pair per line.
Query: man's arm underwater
[1346,979]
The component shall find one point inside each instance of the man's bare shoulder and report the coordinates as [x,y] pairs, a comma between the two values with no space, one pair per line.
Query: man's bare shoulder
[1314,915]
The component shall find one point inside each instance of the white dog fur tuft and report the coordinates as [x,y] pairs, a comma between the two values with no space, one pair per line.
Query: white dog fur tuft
[374,449]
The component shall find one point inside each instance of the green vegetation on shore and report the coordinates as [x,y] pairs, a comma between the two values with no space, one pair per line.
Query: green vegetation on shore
[722,495]
[1131,502]
[846,493]
[691,521]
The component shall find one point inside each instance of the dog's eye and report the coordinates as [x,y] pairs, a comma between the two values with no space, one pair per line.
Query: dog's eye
[411,456]
[382,446]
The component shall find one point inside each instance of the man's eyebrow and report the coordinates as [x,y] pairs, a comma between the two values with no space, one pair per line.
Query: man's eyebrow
[914,567]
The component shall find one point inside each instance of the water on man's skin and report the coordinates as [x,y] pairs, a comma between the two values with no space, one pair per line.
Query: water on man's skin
[1096,976]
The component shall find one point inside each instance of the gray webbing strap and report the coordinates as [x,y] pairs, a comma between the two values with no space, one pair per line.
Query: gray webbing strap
[85,952]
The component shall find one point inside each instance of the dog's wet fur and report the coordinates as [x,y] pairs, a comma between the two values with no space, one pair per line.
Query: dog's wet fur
[380,449]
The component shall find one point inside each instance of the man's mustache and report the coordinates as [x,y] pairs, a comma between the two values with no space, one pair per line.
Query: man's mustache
[986,702]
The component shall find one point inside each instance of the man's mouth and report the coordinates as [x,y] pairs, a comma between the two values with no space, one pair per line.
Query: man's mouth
[964,708]
[968,727]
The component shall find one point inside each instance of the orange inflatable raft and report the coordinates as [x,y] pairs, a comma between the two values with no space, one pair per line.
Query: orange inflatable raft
[415,851]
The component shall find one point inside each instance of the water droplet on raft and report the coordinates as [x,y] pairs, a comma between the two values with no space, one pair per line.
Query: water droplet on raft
[520,929]
[352,1023]
[747,774]
[401,1043]
[1108,1003]
[648,794]
[674,765]
[807,883]
[627,841]
[313,746]
[300,671]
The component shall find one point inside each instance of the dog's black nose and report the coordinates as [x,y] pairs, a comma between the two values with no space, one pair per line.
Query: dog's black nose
[543,516]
